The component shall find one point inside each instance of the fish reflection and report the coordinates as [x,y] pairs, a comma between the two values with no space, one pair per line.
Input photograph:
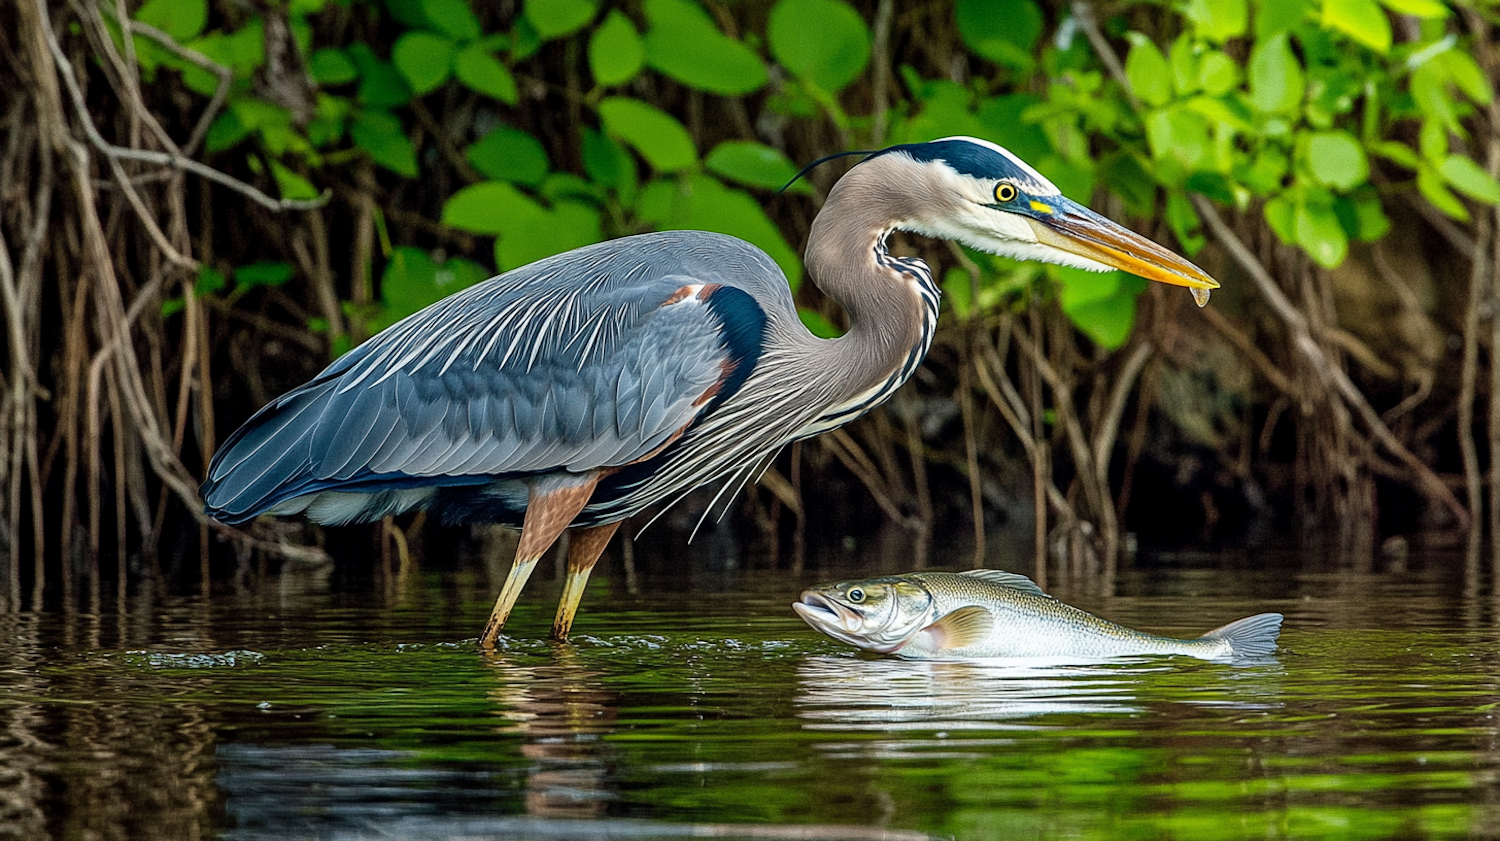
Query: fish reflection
[844,693]
[562,711]
[956,708]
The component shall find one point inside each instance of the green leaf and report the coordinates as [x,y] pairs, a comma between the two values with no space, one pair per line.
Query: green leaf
[684,44]
[424,59]
[1101,305]
[1320,234]
[1417,8]
[818,324]
[226,131]
[556,18]
[824,42]
[379,133]
[1003,31]
[1465,72]
[1186,225]
[181,19]
[607,163]
[330,115]
[1276,79]
[486,207]
[1430,184]
[408,283]
[1276,16]
[1147,71]
[616,51]
[1180,134]
[568,186]
[1469,178]
[1266,172]
[263,273]
[210,280]
[292,185]
[509,154]
[1432,141]
[753,164]
[332,67]
[381,85]
[481,72]
[1183,59]
[701,202]
[1218,74]
[1001,120]
[453,18]
[526,238]
[1219,20]
[412,281]
[1336,159]
[1281,215]
[1396,152]
[1362,20]
[1370,221]
[655,134]
[243,50]
[1429,90]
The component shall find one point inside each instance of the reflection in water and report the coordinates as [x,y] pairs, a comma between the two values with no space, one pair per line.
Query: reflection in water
[848,693]
[294,705]
[561,711]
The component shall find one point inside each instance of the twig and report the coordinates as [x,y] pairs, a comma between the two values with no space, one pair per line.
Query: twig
[1109,426]
[203,62]
[1100,505]
[1329,374]
[1083,15]
[121,153]
[880,70]
[853,456]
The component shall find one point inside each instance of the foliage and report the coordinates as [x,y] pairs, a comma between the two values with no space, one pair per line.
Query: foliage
[1285,105]
[452,139]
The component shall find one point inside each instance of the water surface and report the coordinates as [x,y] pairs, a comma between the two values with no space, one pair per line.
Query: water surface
[296,705]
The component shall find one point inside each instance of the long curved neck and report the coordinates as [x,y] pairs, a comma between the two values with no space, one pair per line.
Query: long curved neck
[891,302]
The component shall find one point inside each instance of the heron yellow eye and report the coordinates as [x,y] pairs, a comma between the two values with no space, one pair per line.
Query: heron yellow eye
[1005,192]
[856,595]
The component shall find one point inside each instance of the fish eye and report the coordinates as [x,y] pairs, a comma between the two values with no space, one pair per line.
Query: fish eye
[856,595]
[1005,192]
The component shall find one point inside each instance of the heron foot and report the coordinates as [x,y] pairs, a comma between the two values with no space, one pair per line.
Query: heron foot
[584,548]
[506,601]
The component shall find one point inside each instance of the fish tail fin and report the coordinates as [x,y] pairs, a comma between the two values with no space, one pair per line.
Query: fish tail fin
[1253,636]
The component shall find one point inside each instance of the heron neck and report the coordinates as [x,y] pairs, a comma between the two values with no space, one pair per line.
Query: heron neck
[889,301]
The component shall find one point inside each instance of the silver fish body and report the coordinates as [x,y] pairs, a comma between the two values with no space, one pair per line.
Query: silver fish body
[990,613]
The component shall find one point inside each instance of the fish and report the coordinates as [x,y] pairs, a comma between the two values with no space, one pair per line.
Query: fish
[990,613]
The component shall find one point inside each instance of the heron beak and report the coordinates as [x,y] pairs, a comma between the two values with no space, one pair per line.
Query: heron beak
[1065,224]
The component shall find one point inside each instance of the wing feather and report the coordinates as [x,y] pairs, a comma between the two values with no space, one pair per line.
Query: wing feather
[569,370]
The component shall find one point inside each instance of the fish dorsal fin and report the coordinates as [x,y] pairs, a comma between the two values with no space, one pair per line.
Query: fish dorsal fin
[1013,580]
[962,628]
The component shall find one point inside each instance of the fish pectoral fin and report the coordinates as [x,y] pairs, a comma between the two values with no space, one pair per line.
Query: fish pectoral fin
[962,628]
[1001,578]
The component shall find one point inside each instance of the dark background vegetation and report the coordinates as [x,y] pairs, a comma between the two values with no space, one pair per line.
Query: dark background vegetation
[204,201]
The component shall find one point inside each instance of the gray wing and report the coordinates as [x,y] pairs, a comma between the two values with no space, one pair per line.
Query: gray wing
[591,359]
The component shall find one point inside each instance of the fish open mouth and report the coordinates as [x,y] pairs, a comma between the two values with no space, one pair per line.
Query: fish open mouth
[836,620]
[822,613]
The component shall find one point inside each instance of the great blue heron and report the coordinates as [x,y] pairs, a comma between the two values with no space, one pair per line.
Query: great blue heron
[580,389]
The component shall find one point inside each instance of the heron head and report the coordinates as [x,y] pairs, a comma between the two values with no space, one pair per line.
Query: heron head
[989,199]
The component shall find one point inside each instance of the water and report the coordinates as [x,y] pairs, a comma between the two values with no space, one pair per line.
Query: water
[295,705]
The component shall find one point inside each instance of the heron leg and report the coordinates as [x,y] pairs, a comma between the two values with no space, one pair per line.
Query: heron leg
[550,507]
[584,550]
